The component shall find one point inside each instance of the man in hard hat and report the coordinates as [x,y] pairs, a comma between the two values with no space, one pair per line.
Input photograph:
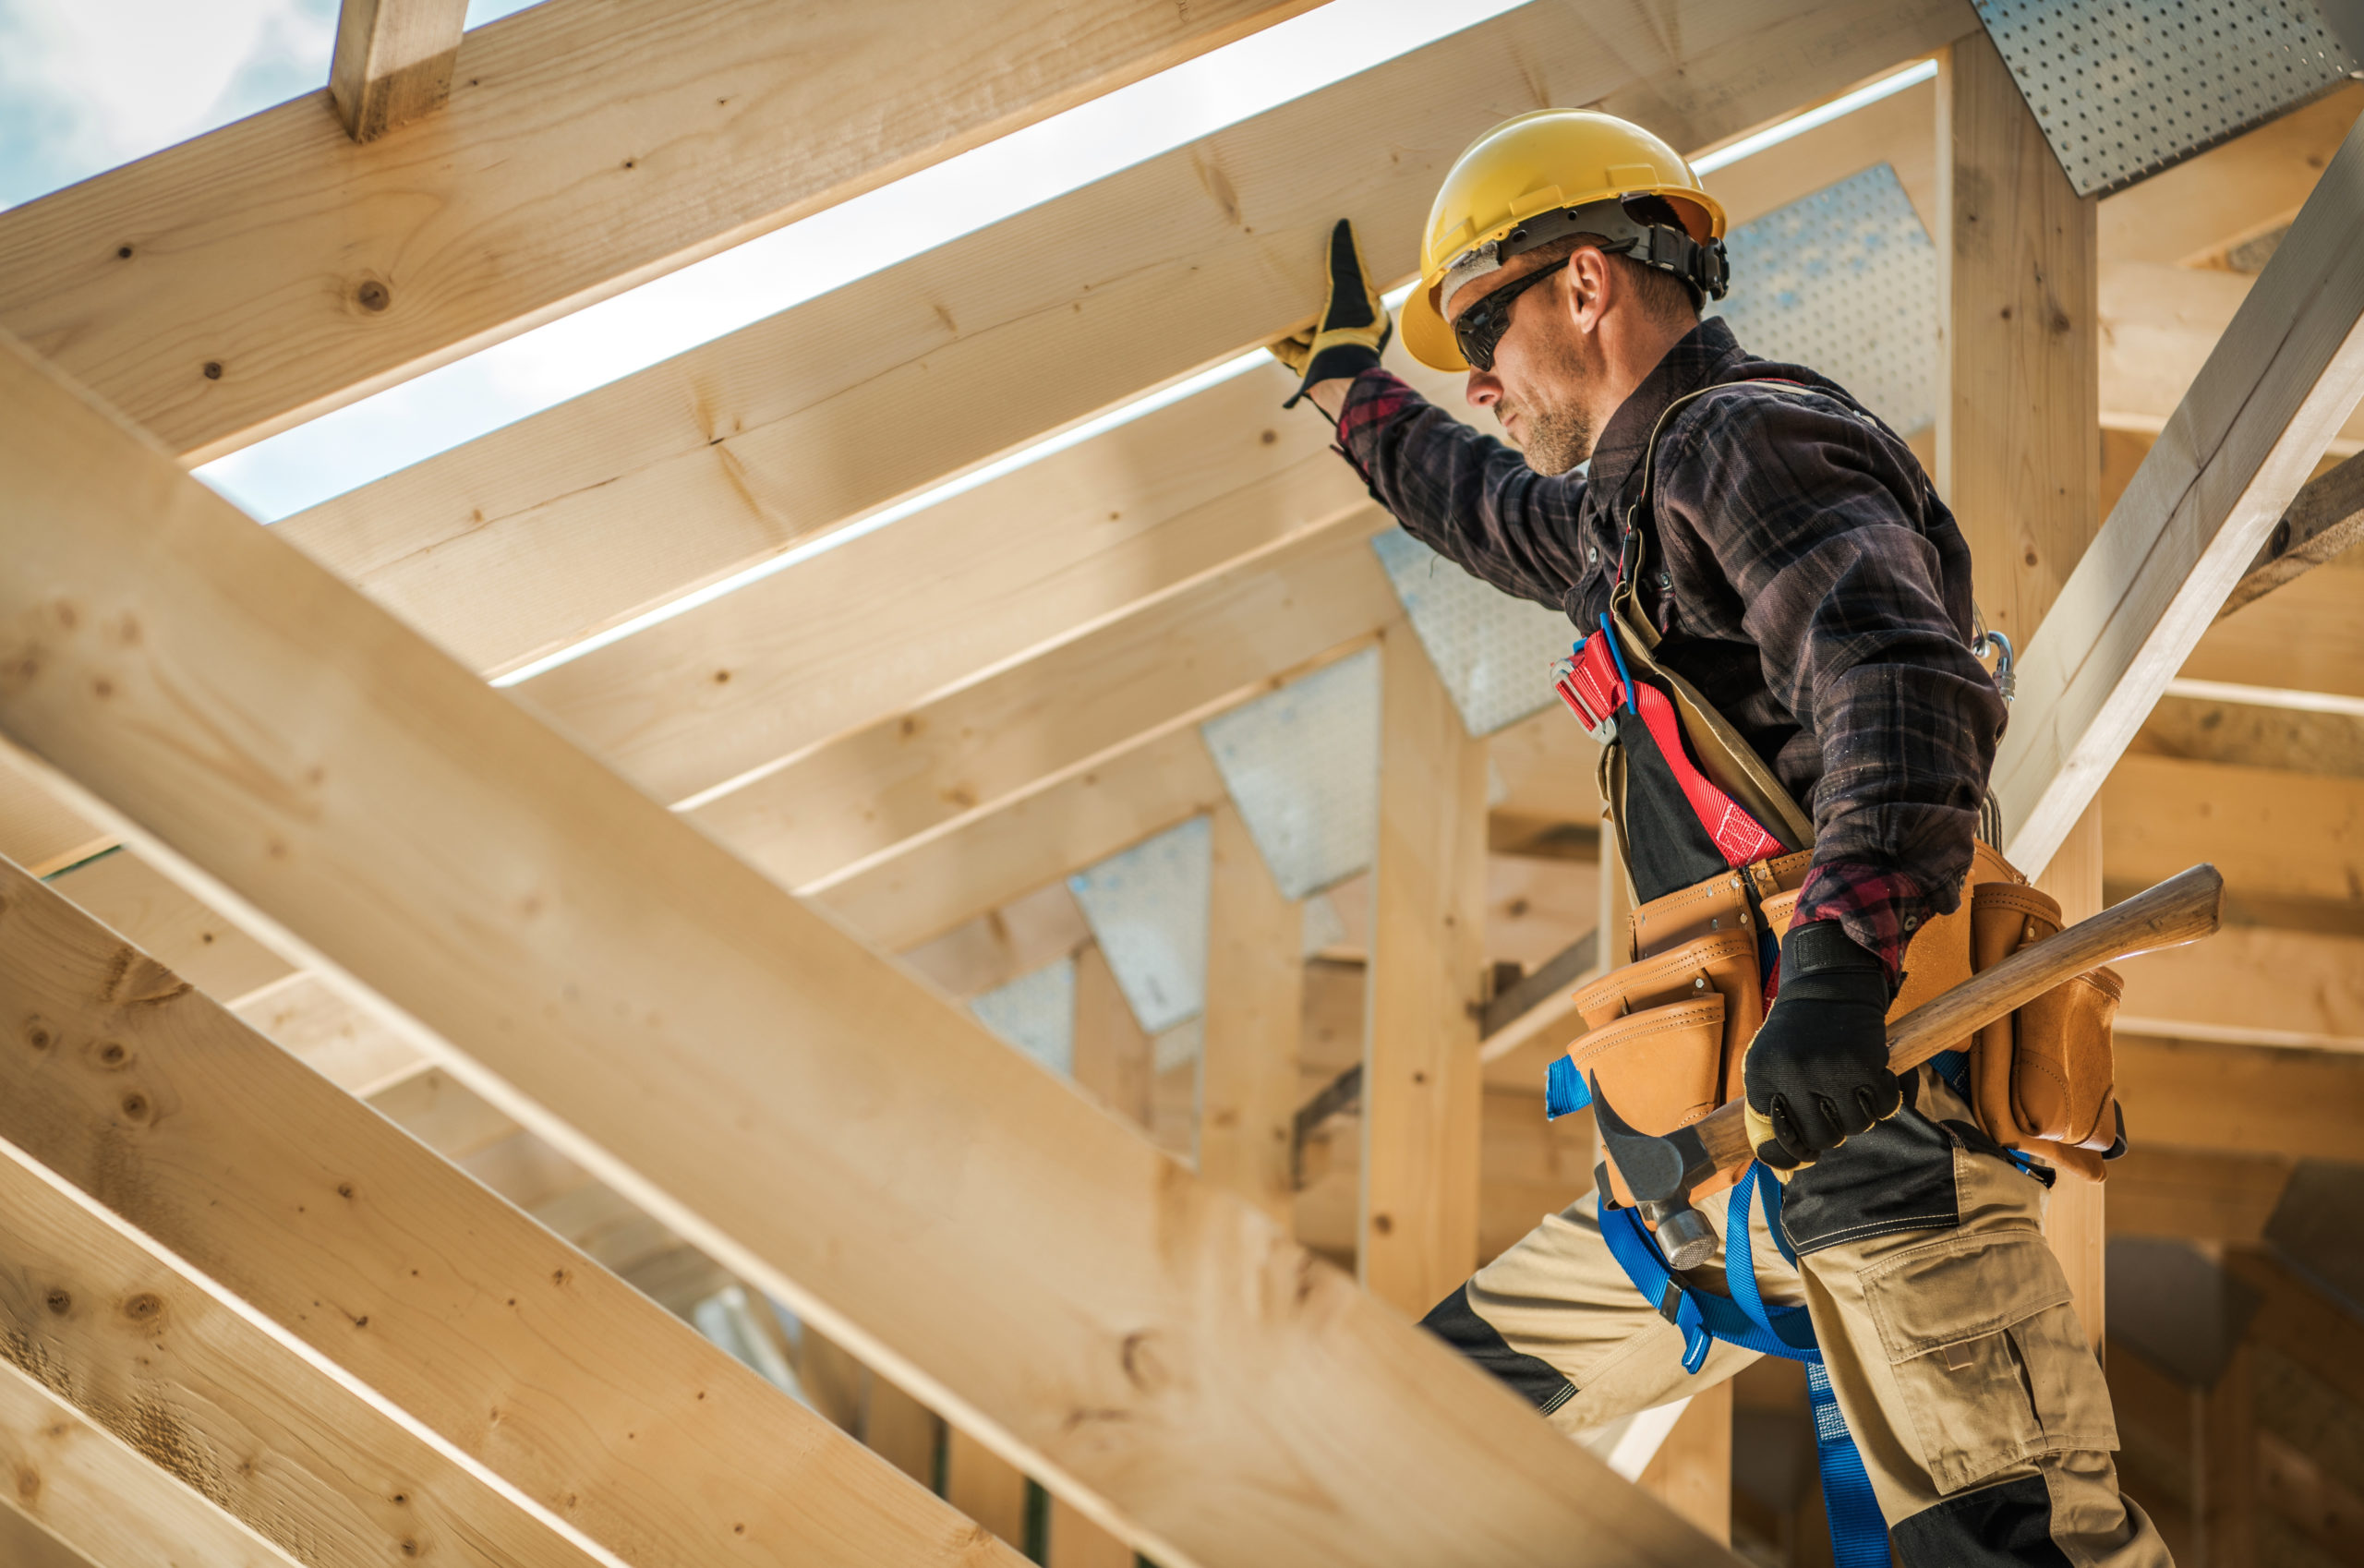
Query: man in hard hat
[1749,548]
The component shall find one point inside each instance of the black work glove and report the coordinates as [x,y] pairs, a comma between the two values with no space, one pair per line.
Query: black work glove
[1345,340]
[1817,1073]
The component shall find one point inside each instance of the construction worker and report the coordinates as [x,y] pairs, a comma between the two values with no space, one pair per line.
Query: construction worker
[1744,537]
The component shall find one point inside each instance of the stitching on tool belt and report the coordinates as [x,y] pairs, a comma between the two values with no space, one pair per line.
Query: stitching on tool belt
[1643,977]
[1660,1020]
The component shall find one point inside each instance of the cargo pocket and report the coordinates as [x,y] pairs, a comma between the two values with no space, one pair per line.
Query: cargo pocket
[1993,1366]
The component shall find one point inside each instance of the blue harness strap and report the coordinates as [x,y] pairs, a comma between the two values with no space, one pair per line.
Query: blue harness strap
[1858,1533]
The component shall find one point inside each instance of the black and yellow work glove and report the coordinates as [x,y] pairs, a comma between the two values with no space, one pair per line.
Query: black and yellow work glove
[1345,339]
[1817,1073]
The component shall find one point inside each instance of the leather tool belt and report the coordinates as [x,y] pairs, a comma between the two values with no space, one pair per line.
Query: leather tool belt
[1714,850]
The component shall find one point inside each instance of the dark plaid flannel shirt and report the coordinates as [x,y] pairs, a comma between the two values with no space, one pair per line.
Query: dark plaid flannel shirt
[1803,572]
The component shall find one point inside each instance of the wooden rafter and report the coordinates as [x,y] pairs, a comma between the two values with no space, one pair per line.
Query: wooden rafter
[230,1154]
[120,1333]
[270,271]
[2245,436]
[704,1042]
[792,426]
[393,62]
[104,1498]
[1190,653]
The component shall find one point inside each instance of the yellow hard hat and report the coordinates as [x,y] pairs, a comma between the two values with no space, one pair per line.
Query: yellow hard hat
[1522,185]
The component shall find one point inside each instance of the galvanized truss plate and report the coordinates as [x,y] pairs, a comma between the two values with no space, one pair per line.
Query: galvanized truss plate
[1494,653]
[2123,88]
[1036,1013]
[1147,908]
[1302,766]
[1845,281]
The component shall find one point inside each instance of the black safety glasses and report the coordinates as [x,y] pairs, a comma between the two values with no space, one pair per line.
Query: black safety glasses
[1479,329]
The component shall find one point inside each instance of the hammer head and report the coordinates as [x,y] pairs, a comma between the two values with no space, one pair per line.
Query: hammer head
[1660,1171]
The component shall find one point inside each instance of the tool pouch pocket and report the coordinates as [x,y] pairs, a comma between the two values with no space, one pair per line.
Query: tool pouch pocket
[1672,1077]
[2042,1079]
[1659,1067]
[1988,1355]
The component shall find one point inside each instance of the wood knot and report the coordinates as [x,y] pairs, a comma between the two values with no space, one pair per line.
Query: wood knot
[58,1301]
[213,369]
[373,296]
[135,1107]
[144,1308]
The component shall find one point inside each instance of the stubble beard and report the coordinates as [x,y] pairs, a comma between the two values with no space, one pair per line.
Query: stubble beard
[1558,439]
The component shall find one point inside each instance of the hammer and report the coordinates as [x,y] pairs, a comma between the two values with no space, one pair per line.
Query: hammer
[1662,1172]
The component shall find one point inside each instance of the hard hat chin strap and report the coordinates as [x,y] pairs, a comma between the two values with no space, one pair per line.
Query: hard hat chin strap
[1608,222]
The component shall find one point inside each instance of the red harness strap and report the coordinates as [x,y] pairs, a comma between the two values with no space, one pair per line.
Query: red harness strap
[1590,684]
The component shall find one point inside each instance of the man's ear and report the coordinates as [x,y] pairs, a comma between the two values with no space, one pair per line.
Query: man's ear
[1587,282]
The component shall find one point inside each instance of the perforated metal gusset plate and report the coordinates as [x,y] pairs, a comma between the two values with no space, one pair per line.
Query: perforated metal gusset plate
[1494,653]
[1147,908]
[1302,766]
[1845,281]
[2125,88]
[1036,1013]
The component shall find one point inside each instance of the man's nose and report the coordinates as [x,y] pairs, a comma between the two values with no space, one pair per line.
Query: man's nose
[1483,389]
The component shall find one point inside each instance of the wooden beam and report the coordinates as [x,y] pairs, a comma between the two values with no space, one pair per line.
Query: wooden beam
[393,62]
[204,948]
[1692,1471]
[222,1149]
[2325,520]
[2305,636]
[2195,1194]
[935,881]
[980,582]
[2239,1098]
[103,1498]
[2273,834]
[588,146]
[39,831]
[2249,186]
[116,1330]
[2328,1512]
[24,1544]
[2252,985]
[1248,1069]
[791,426]
[701,1040]
[351,1046]
[2301,1322]
[1190,655]
[2245,436]
[2159,325]
[1421,1089]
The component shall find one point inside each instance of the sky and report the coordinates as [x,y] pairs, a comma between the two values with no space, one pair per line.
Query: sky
[87,84]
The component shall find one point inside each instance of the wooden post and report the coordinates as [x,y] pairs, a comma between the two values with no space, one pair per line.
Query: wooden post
[2223,1503]
[2018,432]
[1692,1472]
[1114,1059]
[986,1487]
[1421,1085]
[902,1431]
[1079,1541]
[1248,1083]
[2073,1212]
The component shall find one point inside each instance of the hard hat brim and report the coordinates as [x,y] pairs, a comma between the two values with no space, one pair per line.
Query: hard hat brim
[1427,337]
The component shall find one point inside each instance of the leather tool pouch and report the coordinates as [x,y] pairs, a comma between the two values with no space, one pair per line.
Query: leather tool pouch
[1665,1034]
[2043,1080]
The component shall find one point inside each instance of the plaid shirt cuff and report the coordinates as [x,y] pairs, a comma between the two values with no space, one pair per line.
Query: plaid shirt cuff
[1879,910]
[1375,397]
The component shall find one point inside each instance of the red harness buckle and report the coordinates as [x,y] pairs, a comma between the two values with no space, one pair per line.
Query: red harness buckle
[1586,680]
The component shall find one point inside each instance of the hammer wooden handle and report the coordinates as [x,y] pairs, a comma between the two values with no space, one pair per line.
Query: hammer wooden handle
[2184,907]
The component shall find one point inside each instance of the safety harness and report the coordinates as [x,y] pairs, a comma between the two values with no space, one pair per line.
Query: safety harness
[1646,726]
